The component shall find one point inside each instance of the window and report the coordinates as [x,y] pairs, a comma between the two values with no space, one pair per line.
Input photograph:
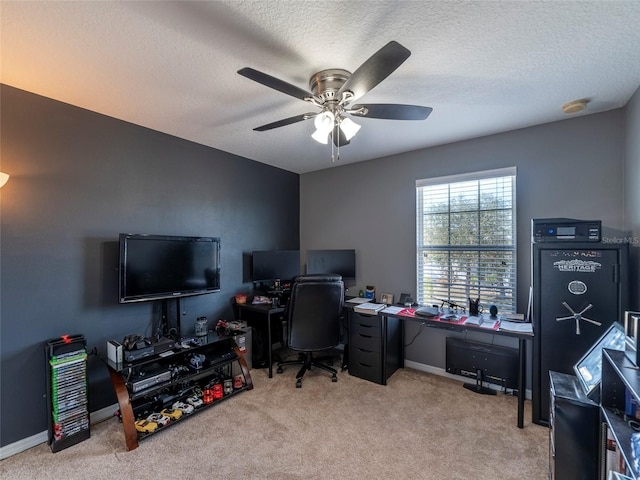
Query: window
[466,239]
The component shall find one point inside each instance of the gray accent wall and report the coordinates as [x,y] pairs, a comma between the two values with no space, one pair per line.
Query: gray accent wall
[78,179]
[572,168]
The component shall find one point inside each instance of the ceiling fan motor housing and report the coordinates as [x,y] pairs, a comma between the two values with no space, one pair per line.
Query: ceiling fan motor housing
[326,83]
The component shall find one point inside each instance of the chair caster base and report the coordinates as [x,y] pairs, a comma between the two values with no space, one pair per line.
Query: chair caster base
[334,378]
[279,370]
[298,383]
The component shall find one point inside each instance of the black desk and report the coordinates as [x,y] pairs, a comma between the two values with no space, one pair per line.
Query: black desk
[459,326]
[265,311]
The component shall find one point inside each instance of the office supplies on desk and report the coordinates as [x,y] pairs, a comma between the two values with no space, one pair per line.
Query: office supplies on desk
[482,321]
[369,308]
[370,292]
[428,312]
[474,307]
[519,327]
[392,309]
[451,318]
[359,300]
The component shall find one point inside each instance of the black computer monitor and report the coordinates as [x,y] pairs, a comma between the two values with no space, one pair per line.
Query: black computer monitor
[340,262]
[275,265]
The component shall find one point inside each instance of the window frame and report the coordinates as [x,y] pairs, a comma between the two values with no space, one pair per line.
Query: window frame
[507,300]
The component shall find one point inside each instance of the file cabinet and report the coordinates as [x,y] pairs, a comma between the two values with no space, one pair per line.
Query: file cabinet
[375,346]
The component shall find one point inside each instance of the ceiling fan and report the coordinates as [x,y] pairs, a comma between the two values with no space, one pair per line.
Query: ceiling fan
[334,90]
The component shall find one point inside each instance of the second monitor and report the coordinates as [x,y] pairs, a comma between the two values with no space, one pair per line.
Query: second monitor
[340,262]
[275,265]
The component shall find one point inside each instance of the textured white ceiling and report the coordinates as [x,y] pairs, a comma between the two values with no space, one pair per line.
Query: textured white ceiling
[484,66]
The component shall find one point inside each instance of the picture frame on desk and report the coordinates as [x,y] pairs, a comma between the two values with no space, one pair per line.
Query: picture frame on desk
[386,298]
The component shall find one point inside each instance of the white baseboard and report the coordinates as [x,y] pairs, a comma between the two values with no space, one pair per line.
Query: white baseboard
[43,437]
[443,373]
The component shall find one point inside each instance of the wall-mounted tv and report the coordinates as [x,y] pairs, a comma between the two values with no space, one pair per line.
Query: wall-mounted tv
[155,267]
[340,262]
[275,265]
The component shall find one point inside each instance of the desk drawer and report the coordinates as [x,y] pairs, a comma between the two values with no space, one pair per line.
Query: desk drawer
[368,320]
[356,328]
[366,325]
[366,341]
[365,364]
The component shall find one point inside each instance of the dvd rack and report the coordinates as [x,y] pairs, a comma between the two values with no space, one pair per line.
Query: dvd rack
[67,389]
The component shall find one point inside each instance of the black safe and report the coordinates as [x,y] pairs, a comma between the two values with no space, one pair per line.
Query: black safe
[579,290]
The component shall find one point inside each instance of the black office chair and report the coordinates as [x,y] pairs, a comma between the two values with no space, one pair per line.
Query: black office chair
[313,316]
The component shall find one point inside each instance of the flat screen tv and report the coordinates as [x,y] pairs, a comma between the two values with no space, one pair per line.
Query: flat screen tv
[589,367]
[275,265]
[340,262]
[156,267]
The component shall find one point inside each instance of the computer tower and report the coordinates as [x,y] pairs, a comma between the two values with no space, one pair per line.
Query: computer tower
[579,290]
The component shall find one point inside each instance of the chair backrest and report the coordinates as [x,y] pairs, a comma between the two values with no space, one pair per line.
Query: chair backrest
[314,312]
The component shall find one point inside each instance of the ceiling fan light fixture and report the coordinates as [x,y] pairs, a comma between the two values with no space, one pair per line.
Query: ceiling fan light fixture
[349,128]
[323,122]
[321,136]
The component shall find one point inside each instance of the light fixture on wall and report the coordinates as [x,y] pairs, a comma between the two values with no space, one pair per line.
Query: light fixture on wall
[3,178]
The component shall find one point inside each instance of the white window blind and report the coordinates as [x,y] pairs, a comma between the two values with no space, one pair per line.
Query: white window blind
[466,239]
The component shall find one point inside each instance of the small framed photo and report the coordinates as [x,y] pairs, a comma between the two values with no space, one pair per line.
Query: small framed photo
[386,298]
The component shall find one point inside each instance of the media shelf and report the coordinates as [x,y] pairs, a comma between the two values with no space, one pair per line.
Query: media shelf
[620,384]
[207,373]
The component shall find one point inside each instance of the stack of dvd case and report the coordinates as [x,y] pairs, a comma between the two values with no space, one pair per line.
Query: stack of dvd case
[67,390]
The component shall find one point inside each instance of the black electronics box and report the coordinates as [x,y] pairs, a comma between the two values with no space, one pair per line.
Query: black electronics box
[133,355]
[565,230]
[163,345]
[498,364]
[151,376]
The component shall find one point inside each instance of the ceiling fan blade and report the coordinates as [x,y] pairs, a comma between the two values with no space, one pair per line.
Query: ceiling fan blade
[339,138]
[275,83]
[378,67]
[286,121]
[392,111]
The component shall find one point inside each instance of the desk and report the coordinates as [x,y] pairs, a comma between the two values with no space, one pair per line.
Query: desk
[459,326]
[264,311]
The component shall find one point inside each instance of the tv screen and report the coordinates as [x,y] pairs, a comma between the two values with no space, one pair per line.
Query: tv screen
[340,262]
[160,266]
[589,367]
[275,264]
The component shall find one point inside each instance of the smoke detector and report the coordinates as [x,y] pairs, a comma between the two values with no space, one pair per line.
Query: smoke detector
[575,106]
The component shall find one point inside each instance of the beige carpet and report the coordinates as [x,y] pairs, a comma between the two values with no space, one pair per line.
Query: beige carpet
[419,426]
